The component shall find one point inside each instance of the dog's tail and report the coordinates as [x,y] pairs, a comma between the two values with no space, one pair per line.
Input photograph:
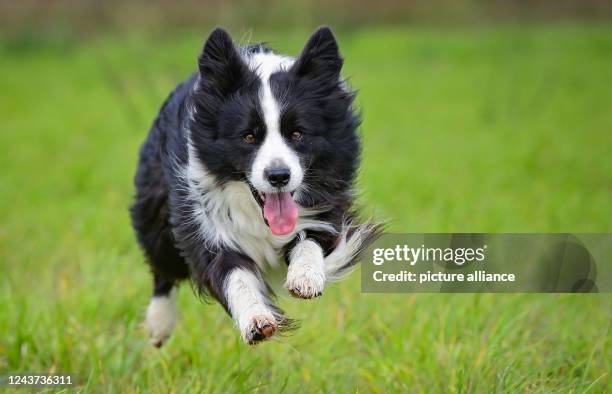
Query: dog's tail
[354,239]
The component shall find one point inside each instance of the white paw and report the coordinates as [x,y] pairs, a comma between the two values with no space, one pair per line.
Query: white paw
[306,283]
[306,273]
[259,328]
[161,318]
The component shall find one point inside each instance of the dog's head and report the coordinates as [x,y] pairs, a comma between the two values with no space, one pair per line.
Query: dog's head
[283,125]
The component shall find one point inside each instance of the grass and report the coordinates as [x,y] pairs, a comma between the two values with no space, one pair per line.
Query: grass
[492,129]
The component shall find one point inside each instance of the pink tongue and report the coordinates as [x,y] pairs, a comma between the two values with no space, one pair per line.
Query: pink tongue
[281,212]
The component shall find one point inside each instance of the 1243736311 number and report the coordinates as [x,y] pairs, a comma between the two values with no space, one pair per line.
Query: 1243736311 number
[36,380]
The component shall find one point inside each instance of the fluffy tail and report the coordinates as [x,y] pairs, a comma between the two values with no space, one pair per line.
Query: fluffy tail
[354,240]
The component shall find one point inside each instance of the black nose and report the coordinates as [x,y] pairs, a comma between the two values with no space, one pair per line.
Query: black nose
[277,176]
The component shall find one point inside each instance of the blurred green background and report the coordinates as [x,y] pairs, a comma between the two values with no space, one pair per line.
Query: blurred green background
[478,116]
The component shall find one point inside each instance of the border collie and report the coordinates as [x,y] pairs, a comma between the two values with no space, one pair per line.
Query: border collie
[250,161]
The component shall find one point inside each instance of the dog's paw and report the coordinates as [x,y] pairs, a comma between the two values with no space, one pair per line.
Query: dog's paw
[305,282]
[160,319]
[260,328]
[306,272]
[158,338]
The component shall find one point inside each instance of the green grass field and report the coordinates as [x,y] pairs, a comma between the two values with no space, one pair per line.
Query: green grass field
[504,129]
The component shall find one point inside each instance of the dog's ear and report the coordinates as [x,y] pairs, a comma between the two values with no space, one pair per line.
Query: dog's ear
[320,56]
[220,63]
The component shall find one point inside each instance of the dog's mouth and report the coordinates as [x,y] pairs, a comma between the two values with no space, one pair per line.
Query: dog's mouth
[279,210]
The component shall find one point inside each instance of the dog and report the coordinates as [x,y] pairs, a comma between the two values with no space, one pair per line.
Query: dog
[250,161]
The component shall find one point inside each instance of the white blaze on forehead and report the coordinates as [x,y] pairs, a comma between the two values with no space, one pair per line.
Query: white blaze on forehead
[274,147]
[265,64]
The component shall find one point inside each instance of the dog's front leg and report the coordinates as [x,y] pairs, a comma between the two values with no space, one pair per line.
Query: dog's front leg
[235,281]
[306,272]
[249,306]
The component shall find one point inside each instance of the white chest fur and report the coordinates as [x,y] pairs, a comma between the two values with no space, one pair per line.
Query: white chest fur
[228,216]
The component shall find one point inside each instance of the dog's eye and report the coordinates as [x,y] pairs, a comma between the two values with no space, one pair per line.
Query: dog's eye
[249,138]
[296,136]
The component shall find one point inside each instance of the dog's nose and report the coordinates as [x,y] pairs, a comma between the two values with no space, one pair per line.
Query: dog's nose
[277,176]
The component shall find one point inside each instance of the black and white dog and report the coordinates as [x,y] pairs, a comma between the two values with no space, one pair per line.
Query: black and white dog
[250,161]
